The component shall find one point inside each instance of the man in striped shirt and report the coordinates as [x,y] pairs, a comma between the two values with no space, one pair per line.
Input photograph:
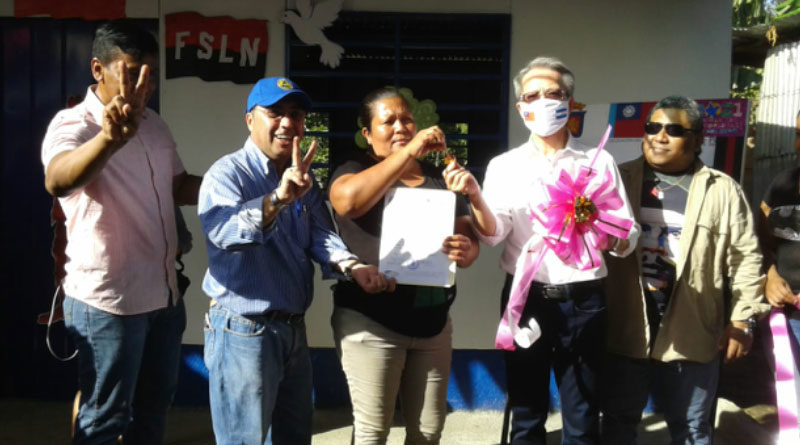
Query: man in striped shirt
[265,221]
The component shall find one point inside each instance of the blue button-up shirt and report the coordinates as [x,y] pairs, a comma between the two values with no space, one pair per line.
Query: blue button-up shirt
[251,268]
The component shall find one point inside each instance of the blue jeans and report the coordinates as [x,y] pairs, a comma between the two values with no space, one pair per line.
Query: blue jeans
[684,390]
[128,371]
[573,343]
[260,379]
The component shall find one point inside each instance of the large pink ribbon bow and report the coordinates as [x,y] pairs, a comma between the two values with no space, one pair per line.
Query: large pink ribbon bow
[785,388]
[577,224]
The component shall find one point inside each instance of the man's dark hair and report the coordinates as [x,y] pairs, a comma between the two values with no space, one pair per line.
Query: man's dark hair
[689,106]
[122,37]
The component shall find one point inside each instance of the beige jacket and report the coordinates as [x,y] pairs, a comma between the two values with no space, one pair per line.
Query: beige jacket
[718,248]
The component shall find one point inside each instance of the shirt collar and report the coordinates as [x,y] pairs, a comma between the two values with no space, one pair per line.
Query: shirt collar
[267,165]
[570,149]
[93,104]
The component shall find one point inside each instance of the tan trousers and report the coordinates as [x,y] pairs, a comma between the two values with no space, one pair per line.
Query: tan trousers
[380,363]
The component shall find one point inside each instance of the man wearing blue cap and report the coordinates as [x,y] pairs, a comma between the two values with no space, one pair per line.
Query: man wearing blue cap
[264,221]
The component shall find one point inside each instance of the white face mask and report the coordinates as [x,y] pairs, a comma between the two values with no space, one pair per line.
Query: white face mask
[544,116]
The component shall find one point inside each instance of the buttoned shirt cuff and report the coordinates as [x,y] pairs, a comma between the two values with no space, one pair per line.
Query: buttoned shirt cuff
[633,238]
[251,220]
[499,232]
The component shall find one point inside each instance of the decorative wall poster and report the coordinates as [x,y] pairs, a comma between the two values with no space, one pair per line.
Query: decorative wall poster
[60,9]
[215,48]
[724,128]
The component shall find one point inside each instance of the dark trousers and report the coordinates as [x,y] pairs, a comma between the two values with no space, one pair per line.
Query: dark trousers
[684,390]
[573,344]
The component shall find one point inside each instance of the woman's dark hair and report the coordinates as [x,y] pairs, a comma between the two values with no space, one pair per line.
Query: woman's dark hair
[122,37]
[367,110]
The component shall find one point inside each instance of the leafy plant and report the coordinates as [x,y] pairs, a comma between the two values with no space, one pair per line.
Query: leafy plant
[319,122]
[751,12]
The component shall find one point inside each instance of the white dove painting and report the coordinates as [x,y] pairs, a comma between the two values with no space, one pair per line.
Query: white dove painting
[309,25]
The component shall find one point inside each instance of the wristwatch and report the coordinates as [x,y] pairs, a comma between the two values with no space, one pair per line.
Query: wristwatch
[751,326]
[347,271]
[273,199]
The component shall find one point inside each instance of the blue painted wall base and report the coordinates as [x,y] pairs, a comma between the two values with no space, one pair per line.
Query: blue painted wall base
[477,380]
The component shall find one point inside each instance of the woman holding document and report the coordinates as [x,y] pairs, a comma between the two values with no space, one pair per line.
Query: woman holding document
[398,341]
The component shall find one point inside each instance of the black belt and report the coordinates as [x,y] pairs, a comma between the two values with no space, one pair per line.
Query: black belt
[568,291]
[285,317]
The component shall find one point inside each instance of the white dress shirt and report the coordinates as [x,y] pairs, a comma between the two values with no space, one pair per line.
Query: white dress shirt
[515,184]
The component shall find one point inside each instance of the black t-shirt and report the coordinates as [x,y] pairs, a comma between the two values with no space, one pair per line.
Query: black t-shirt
[783,198]
[416,311]
[663,205]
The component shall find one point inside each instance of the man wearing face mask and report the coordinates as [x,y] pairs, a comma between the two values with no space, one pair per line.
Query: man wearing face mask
[568,303]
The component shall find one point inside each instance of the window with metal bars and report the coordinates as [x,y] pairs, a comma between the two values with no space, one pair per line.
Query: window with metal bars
[459,61]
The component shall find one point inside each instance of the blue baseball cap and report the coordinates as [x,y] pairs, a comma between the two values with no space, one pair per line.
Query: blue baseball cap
[269,91]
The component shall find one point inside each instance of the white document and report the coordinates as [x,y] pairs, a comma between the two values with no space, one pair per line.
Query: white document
[415,223]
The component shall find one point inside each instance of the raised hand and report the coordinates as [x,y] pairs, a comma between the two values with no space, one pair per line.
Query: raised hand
[122,114]
[426,141]
[296,180]
[777,290]
[460,180]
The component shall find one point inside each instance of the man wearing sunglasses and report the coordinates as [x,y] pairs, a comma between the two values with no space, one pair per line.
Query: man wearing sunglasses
[668,327]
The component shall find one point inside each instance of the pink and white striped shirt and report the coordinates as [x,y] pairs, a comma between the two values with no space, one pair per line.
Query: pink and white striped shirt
[121,236]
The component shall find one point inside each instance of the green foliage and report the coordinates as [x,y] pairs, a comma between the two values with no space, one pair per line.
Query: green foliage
[751,12]
[456,146]
[756,12]
[746,84]
[319,122]
[786,9]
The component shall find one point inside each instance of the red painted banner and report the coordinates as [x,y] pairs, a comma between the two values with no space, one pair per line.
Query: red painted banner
[215,48]
[61,9]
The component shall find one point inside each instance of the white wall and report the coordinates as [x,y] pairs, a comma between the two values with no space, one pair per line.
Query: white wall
[6,8]
[628,50]
[631,51]
[625,50]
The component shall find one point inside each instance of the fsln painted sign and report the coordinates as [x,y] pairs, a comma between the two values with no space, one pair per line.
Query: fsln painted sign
[215,48]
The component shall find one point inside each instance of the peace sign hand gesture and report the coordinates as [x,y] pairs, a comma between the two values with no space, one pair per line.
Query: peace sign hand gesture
[296,181]
[122,114]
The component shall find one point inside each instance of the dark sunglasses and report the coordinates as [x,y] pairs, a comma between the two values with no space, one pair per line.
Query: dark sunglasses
[674,130]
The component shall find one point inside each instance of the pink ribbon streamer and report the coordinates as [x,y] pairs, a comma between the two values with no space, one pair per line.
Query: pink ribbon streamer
[574,232]
[509,323]
[784,379]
